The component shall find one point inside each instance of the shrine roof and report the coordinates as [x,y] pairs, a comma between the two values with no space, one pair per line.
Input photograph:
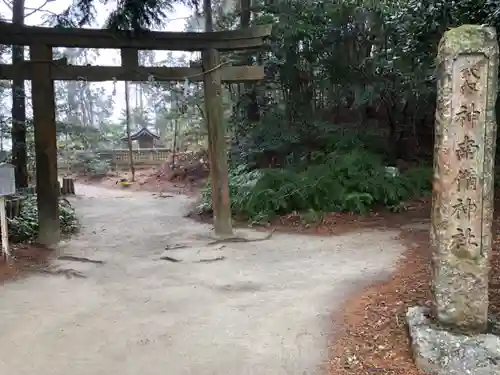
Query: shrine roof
[142,133]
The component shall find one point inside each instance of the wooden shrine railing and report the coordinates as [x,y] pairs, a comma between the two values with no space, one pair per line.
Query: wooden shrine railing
[144,157]
[119,158]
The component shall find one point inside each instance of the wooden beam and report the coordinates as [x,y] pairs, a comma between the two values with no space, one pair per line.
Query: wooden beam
[108,73]
[150,40]
[47,185]
[130,58]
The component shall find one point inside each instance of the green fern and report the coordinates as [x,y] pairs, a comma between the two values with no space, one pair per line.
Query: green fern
[346,181]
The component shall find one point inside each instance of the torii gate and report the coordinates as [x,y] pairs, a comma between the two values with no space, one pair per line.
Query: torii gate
[42,70]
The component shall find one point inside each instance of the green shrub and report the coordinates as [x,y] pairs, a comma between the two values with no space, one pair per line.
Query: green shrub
[348,181]
[24,227]
[420,179]
[90,163]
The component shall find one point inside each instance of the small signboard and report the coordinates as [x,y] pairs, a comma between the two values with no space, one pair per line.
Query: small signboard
[7,179]
[3,156]
[7,187]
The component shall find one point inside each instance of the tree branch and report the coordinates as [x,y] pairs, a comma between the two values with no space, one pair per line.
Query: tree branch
[40,8]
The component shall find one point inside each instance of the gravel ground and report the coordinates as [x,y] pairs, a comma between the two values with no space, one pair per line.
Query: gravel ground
[230,308]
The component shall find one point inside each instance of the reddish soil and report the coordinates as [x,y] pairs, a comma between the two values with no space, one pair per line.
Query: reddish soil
[23,256]
[338,223]
[375,338]
[145,180]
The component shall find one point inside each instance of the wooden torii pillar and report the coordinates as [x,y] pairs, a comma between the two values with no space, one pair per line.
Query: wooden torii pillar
[44,118]
[42,70]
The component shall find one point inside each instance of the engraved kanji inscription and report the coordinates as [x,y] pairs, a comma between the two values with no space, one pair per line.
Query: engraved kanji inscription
[468,114]
[464,238]
[466,149]
[470,77]
[463,179]
[466,180]
[464,208]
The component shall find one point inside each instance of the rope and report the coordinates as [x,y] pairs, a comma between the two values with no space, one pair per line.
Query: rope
[165,78]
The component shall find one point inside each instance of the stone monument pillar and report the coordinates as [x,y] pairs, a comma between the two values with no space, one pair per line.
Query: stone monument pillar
[453,339]
[464,155]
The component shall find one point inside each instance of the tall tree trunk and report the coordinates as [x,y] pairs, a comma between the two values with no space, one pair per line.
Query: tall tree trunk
[129,139]
[250,89]
[83,104]
[88,102]
[175,123]
[19,154]
[141,104]
[175,145]
[71,102]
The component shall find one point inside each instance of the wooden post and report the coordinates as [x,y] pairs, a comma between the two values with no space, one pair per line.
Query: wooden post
[68,186]
[214,117]
[4,229]
[216,144]
[47,185]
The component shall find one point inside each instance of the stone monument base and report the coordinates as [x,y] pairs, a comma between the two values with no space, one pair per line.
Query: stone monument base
[439,352]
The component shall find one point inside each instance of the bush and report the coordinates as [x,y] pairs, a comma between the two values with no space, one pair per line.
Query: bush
[348,181]
[24,227]
[241,186]
[89,163]
[299,144]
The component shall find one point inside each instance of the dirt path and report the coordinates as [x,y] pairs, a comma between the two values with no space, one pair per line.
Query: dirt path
[264,309]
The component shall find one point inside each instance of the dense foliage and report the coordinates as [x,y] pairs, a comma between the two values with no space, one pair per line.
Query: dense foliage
[349,90]
[366,68]
[24,227]
[345,179]
[360,64]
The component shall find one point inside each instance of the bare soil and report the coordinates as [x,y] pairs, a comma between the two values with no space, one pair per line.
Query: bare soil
[370,330]
[225,308]
[23,256]
[146,180]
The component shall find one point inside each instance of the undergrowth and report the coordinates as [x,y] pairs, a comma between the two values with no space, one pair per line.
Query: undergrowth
[346,181]
[24,227]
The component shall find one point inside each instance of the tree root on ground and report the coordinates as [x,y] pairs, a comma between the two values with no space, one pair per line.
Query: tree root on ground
[164,196]
[174,247]
[210,260]
[79,259]
[241,239]
[170,259]
[49,270]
